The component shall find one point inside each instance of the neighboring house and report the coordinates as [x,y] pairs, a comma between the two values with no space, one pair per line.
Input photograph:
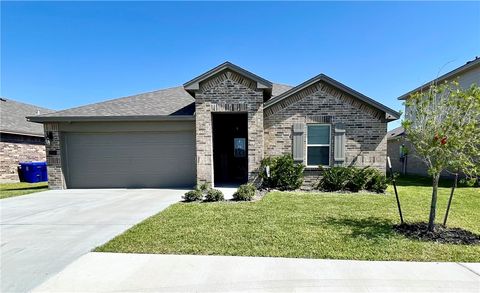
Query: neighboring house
[216,128]
[407,162]
[20,140]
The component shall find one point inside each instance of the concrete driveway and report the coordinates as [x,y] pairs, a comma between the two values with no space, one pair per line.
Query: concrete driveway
[44,232]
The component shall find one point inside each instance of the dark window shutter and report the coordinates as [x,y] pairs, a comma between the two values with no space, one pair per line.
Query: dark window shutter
[298,144]
[339,144]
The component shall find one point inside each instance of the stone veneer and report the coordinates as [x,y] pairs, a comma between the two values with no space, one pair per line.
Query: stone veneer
[56,179]
[18,148]
[365,126]
[228,92]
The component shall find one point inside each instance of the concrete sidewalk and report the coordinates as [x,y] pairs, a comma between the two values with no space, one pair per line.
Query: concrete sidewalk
[107,272]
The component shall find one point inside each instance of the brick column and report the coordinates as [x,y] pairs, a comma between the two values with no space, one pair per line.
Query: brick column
[56,179]
[203,133]
[255,139]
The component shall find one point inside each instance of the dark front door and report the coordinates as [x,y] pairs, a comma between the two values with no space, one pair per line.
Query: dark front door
[230,151]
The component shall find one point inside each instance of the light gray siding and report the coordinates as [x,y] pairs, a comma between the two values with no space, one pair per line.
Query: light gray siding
[465,80]
[470,77]
[414,165]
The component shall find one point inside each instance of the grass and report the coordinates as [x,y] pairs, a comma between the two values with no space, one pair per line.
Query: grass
[321,225]
[16,189]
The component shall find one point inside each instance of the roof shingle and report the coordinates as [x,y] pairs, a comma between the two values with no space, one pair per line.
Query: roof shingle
[174,101]
[171,101]
[12,117]
[278,89]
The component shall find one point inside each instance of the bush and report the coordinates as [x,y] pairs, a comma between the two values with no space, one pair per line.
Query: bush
[245,192]
[352,179]
[214,195]
[359,178]
[378,183]
[285,174]
[204,187]
[193,195]
[356,181]
[335,178]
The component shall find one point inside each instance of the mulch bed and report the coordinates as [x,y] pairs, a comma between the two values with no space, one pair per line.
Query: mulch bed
[442,234]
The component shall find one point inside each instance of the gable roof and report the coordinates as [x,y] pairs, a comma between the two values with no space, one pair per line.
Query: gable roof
[194,83]
[177,103]
[13,118]
[390,114]
[449,75]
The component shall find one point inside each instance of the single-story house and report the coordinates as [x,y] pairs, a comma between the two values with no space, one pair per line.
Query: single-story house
[216,128]
[20,140]
[401,152]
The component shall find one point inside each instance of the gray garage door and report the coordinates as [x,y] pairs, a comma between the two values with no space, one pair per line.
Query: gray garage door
[129,159]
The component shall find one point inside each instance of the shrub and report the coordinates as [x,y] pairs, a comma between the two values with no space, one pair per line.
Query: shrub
[245,192]
[335,178]
[214,195]
[285,174]
[352,179]
[378,183]
[193,195]
[359,178]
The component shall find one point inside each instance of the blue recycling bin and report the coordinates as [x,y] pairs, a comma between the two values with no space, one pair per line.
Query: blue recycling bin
[32,172]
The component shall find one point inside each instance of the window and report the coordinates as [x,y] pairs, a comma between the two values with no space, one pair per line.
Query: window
[318,145]
[239,149]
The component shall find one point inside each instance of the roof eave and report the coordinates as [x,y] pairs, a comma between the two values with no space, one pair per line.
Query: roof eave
[395,137]
[22,133]
[194,84]
[44,119]
[446,76]
[390,117]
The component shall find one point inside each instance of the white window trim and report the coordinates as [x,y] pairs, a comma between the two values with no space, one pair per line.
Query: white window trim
[313,145]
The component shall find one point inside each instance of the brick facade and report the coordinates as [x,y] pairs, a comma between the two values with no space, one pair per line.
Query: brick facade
[56,178]
[366,130]
[269,129]
[18,148]
[228,92]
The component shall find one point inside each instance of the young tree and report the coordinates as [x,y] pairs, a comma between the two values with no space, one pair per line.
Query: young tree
[443,126]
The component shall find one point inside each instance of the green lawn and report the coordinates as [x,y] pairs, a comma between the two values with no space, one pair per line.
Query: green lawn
[16,189]
[323,225]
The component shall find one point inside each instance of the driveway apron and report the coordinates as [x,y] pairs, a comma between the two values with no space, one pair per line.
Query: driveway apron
[42,233]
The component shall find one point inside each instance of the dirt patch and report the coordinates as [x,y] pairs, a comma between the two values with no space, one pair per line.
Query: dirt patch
[442,234]
[260,193]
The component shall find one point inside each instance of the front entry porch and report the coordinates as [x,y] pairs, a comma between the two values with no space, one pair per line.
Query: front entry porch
[230,148]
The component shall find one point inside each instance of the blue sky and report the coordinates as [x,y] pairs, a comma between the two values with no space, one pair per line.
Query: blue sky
[65,54]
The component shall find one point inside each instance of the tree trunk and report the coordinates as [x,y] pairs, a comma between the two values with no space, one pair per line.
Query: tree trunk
[433,206]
